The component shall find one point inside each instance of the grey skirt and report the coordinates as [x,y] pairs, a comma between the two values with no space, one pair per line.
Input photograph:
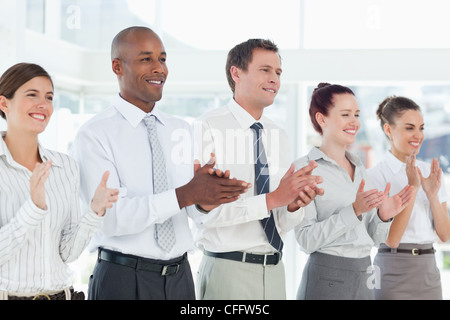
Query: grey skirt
[404,276]
[328,277]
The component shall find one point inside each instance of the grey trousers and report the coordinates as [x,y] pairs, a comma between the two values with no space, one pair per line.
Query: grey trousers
[328,277]
[111,281]
[221,279]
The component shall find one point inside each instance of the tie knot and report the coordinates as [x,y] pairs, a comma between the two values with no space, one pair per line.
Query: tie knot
[150,121]
[257,126]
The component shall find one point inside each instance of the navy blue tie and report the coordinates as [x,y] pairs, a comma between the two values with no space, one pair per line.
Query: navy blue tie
[262,186]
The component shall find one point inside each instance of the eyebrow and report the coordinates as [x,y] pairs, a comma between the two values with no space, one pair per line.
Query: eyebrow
[35,90]
[269,66]
[412,124]
[147,53]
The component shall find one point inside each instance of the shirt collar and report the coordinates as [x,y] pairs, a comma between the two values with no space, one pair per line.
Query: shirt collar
[393,163]
[44,153]
[316,154]
[135,115]
[244,118]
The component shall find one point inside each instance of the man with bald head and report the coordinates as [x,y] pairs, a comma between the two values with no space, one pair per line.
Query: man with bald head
[144,240]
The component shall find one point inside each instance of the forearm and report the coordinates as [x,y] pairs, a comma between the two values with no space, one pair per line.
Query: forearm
[441,219]
[399,224]
[75,239]
[13,234]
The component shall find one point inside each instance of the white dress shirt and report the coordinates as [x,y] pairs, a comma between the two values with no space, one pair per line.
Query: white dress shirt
[236,226]
[116,140]
[330,225]
[35,244]
[420,228]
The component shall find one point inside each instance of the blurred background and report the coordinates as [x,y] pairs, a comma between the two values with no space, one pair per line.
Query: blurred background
[376,47]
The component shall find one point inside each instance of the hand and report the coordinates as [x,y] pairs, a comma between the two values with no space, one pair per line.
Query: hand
[104,197]
[391,206]
[366,200]
[213,171]
[291,190]
[209,190]
[38,177]
[411,171]
[432,184]
[305,197]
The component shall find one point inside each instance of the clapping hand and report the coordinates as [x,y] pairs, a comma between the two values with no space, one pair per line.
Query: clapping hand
[366,200]
[37,181]
[104,197]
[210,187]
[391,206]
[412,171]
[431,184]
[306,185]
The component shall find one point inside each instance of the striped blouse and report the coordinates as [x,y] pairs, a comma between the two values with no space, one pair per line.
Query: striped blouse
[35,244]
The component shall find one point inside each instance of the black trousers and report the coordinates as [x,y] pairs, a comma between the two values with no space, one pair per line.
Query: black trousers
[113,281]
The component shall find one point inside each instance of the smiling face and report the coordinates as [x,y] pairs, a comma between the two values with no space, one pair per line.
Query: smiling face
[31,107]
[342,122]
[406,134]
[141,69]
[257,87]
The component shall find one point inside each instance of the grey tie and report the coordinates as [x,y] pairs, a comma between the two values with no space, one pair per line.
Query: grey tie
[164,233]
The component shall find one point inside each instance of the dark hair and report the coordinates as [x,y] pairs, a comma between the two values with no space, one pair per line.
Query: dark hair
[16,76]
[322,100]
[393,107]
[241,55]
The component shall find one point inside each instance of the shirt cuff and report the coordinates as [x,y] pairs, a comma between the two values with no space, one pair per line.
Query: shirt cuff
[165,204]
[378,219]
[31,215]
[200,209]
[93,219]
[257,205]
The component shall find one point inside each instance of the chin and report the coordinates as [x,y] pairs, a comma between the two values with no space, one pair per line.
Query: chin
[40,130]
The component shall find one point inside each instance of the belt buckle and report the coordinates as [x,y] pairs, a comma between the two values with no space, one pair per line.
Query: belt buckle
[279,255]
[165,268]
[39,295]
[276,254]
[415,251]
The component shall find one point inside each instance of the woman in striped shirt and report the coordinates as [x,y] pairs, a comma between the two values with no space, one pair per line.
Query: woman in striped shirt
[41,227]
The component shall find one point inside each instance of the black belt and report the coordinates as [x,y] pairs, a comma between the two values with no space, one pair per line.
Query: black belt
[413,251]
[264,259]
[75,295]
[141,263]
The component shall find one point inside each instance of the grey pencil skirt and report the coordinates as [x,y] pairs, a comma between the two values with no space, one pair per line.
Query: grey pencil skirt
[328,277]
[404,276]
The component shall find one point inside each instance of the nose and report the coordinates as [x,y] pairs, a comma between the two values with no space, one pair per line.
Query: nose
[418,135]
[274,79]
[45,105]
[159,67]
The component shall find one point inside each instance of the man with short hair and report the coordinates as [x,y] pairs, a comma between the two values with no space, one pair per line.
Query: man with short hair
[145,238]
[242,241]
